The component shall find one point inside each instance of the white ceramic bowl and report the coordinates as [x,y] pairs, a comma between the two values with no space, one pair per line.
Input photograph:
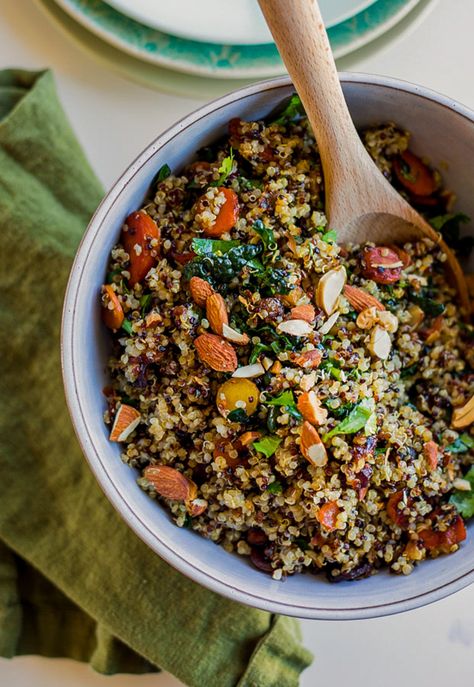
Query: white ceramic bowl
[442,130]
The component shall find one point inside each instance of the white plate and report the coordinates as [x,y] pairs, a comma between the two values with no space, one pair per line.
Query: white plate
[232,22]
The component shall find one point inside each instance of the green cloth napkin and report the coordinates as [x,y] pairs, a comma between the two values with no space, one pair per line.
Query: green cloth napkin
[75,581]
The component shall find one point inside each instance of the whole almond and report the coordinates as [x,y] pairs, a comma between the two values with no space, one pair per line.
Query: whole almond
[216,313]
[200,291]
[170,483]
[216,353]
[360,299]
[303,312]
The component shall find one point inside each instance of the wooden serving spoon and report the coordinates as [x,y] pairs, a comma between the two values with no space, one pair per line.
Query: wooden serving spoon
[360,203]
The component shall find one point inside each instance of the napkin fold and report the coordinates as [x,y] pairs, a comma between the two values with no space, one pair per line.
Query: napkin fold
[75,581]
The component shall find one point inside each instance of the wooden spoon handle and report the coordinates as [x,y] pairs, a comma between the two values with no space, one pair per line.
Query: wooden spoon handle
[298,30]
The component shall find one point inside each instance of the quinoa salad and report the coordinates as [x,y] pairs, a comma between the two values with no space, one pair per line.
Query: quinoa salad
[303,403]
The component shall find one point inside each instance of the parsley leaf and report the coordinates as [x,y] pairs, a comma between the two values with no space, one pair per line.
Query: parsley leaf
[162,174]
[256,351]
[293,110]
[464,500]
[462,444]
[286,398]
[356,420]
[329,236]
[268,445]
[275,487]
[127,326]
[204,246]
[227,165]
[238,415]
[449,226]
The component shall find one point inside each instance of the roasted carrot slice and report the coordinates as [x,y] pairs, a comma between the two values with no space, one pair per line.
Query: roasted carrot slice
[113,317]
[141,240]
[227,216]
[414,175]
[394,513]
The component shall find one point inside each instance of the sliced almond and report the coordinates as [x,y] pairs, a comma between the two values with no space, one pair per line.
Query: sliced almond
[330,288]
[267,363]
[380,343]
[311,408]
[234,336]
[153,319]
[367,318]
[126,419]
[216,353]
[170,483]
[462,417]
[388,321]
[417,316]
[312,447]
[196,507]
[388,265]
[326,327]
[216,313]
[200,291]
[249,371]
[295,327]
[360,299]
[462,484]
[303,312]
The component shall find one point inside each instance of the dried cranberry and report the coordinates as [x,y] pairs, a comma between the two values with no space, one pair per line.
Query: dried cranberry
[260,560]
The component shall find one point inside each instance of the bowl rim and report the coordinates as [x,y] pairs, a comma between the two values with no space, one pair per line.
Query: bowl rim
[78,414]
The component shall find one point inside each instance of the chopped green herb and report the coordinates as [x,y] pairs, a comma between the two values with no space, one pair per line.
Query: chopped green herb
[275,487]
[461,445]
[302,543]
[293,110]
[127,326]
[267,235]
[268,445]
[330,236]
[109,277]
[381,451]
[257,350]
[286,398]
[426,303]
[341,411]
[449,226]
[272,418]
[371,425]
[238,415]
[227,165]
[215,246]
[162,174]
[409,371]
[356,420]
[294,412]
[464,500]
[249,184]
[221,269]
[145,302]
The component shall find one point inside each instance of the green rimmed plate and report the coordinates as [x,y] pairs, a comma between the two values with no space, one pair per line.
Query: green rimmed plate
[223,61]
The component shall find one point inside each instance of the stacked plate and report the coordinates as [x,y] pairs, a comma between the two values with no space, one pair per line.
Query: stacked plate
[206,47]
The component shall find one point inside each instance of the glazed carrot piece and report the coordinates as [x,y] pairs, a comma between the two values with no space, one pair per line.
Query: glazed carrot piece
[393,511]
[227,216]
[441,542]
[141,241]
[414,175]
[114,317]
[327,515]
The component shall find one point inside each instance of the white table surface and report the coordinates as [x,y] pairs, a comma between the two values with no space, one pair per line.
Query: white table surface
[114,119]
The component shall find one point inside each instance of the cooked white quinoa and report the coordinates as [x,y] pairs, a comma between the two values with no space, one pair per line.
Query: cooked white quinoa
[382,488]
